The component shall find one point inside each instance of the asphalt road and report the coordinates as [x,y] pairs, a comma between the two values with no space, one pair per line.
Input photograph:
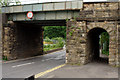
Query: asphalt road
[29,67]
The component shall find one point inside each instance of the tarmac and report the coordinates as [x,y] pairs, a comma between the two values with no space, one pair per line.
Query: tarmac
[91,70]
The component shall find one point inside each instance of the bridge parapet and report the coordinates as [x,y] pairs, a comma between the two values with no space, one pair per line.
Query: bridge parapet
[100,11]
[91,15]
[54,6]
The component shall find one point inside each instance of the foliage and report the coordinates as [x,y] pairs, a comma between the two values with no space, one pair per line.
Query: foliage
[50,46]
[47,39]
[105,52]
[67,20]
[7,3]
[70,33]
[47,49]
[104,42]
[58,38]
[104,37]
[5,58]
[4,2]
[55,31]
[60,41]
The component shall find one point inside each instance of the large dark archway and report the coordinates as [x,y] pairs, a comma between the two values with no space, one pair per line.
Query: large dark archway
[93,45]
[25,38]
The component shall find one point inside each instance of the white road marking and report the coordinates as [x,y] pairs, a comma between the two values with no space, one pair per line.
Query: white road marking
[23,64]
[31,57]
[52,76]
[43,60]
[59,57]
[47,59]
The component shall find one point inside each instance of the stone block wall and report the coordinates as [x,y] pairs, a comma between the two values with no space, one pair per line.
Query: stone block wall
[111,28]
[76,42]
[100,6]
[100,10]
[9,41]
[78,49]
[22,40]
[0,36]
[118,44]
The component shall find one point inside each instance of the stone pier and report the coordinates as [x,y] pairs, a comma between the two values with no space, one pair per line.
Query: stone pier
[22,40]
[83,33]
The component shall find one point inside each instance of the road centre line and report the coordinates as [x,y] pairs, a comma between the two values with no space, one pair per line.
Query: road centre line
[49,59]
[48,71]
[23,64]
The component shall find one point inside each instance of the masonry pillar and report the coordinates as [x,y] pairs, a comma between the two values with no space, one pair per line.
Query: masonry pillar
[118,44]
[0,36]
[113,49]
[0,46]
[76,43]
[9,41]
[22,40]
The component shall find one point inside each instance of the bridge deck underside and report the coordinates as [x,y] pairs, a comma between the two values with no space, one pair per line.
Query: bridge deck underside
[45,22]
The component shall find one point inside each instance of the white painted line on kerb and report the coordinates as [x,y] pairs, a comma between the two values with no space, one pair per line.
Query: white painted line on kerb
[23,64]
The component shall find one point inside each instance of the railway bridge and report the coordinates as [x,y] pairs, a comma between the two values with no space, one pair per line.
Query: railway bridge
[84,21]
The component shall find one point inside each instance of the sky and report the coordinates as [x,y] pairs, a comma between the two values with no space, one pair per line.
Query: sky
[32,1]
[42,1]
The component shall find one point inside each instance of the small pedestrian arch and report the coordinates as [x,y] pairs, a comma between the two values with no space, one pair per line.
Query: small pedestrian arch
[94,47]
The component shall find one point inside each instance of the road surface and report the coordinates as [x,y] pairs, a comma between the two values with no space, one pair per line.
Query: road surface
[29,67]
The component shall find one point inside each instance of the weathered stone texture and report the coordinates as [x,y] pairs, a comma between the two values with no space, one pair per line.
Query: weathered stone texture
[118,45]
[8,42]
[19,41]
[99,6]
[100,10]
[76,43]
[0,36]
[81,34]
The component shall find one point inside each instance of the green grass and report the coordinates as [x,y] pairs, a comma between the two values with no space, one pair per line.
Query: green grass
[48,49]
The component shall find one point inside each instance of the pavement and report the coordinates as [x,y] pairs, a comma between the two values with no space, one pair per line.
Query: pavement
[91,70]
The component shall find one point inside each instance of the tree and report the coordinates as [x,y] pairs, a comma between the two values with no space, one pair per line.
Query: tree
[8,2]
[55,31]
[4,2]
[104,42]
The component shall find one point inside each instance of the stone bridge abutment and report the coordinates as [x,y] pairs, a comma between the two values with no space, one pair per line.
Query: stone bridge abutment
[83,33]
[82,45]
[22,40]
[83,41]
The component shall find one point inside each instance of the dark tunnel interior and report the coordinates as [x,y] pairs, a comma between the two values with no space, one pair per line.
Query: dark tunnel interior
[29,40]
[93,46]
